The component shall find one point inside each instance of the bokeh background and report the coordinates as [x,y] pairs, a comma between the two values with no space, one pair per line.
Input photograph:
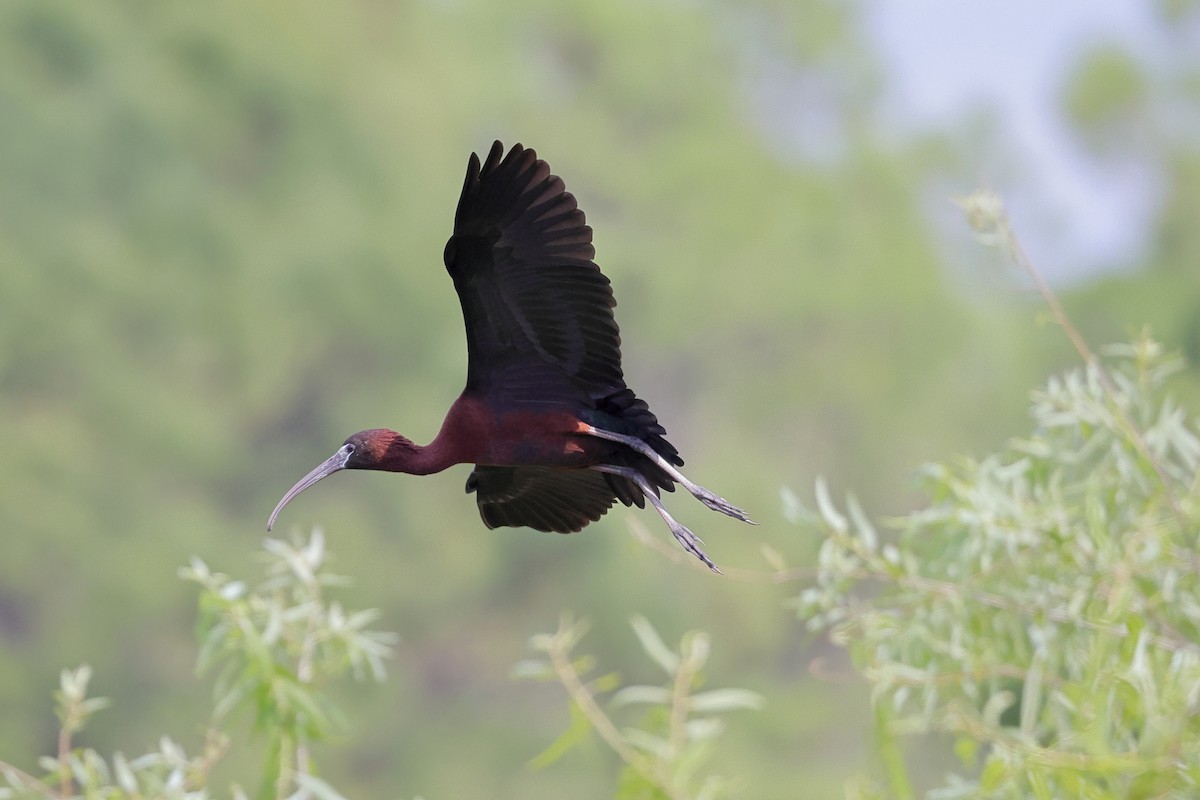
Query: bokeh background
[221,228]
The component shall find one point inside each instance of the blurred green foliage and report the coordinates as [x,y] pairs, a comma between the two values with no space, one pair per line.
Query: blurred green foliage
[666,753]
[220,238]
[1041,610]
[1109,86]
[281,644]
[279,647]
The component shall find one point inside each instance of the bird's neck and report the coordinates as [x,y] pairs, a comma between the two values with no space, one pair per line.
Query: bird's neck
[401,455]
[460,441]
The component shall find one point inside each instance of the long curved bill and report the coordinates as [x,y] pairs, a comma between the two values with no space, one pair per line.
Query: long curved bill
[334,463]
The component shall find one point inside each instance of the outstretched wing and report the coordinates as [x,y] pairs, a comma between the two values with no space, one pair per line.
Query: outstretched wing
[557,500]
[538,311]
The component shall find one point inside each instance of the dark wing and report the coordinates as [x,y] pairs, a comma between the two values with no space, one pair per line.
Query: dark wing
[557,500]
[538,311]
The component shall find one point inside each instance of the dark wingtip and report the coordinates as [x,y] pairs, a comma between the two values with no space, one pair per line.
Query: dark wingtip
[472,172]
[494,155]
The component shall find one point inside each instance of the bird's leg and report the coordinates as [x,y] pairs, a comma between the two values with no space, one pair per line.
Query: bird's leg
[710,499]
[690,541]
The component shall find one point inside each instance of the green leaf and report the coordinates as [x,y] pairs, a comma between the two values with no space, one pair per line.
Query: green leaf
[575,733]
[996,705]
[606,682]
[720,700]
[967,750]
[828,511]
[653,645]
[695,648]
[317,787]
[633,785]
[123,774]
[703,729]
[793,510]
[993,775]
[641,694]
[1031,699]
[532,669]
[656,746]
[862,524]
[893,759]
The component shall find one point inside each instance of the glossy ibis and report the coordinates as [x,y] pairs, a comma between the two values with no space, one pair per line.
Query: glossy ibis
[546,418]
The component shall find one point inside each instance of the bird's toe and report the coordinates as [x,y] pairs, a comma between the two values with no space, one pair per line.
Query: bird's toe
[691,542]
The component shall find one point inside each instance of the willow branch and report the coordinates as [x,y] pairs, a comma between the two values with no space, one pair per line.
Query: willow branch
[569,678]
[987,216]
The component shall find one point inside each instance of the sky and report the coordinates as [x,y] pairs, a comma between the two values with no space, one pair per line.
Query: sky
[947,61]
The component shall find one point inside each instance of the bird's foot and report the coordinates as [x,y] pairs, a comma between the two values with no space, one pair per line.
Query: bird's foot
[718,503]
[691,542]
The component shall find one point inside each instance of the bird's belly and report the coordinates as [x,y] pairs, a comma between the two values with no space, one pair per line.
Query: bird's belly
[540,439]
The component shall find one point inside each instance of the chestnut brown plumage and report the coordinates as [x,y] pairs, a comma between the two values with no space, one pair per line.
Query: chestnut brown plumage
[554,433]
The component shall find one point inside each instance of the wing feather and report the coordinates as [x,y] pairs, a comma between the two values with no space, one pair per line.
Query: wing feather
[521,259]
[557,500]
[540,331]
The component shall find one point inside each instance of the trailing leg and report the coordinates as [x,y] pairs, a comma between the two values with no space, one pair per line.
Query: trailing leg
[710,499]
[690,541]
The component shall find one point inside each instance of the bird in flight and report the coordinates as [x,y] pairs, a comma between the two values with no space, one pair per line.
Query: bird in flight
[554,433]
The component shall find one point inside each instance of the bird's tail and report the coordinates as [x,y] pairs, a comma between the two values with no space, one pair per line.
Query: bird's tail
[624,412]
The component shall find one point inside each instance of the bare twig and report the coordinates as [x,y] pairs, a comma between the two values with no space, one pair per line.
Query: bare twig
[304,674]
[679,705]
[987,216]
[64,765]
[642,534]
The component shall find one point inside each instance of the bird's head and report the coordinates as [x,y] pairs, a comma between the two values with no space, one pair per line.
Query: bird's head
[378,448]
